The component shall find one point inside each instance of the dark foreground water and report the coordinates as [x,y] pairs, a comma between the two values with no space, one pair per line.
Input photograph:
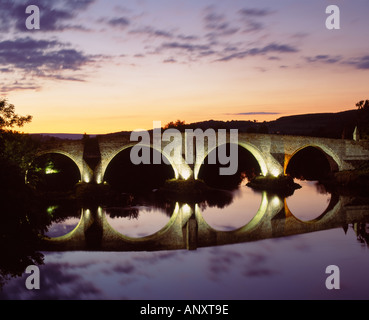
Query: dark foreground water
[285,267]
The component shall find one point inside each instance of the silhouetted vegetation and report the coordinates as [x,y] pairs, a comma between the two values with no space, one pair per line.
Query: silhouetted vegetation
[283,186]
[20,223]
[179,125]
[8,117]
[194,191]
[363,118]
[347,182]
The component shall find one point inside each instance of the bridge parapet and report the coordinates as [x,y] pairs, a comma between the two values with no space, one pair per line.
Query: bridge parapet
[273,152]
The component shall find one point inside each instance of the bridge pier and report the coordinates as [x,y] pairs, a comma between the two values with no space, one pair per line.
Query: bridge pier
[191,233]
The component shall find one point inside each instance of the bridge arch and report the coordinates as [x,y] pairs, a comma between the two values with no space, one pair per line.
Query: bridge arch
[333,159]
[178,166]
[254,151]
[64,153]
[78,164]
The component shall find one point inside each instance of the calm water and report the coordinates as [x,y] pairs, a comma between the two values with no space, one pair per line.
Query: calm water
[289,267]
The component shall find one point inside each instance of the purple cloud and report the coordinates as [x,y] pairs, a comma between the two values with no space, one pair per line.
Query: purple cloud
[270,48]
[55,16]
[31,59]
[121,22]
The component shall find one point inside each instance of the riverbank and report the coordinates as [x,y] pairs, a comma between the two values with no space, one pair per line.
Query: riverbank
[197,191]
[350,181]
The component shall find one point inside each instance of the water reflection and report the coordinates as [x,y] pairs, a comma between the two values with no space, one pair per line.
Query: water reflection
[164,228]
[248,217]
[237,214]
[309,202]
[138,221]
[62,220]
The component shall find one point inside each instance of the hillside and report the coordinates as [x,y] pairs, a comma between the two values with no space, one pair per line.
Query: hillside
[329,125]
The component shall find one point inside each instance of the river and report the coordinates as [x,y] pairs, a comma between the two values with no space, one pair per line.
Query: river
[275,266]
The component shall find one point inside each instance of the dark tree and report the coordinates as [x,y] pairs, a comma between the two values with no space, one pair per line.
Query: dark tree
[8,117]
[179,125]
[363,118]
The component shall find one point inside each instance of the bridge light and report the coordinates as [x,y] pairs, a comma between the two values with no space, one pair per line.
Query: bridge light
[186,173]
[50,169]
[86,178]
[176,173]
[276,202]
[87,213]
[186,209]
[275,172]
[50,210]
[99,180]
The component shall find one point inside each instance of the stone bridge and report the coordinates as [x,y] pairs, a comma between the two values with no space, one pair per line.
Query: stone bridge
[273,152]
[188,230]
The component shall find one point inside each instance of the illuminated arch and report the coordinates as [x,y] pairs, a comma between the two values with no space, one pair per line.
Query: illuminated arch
[328,152]
[256,153]
[109,159]
[42,153]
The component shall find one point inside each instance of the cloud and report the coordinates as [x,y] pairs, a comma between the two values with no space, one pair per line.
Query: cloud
[121,22]
[252,113]
[270,48]
[188,37]
[249,16]
[152,32]
[170,60]
[29,54]
[32,60]
[324,59]
[361,63]
[185,46]
[217,24]
[58,281]
[17,87]
[55,16]
[248,12]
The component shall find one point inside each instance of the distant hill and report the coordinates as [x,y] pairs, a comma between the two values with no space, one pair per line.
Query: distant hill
[328,125]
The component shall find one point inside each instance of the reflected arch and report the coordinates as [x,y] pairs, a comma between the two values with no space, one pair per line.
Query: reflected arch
[174,219]
[72,233]
[252,224]
[330,213]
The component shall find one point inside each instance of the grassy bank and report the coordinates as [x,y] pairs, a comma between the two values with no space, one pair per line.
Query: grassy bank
[281,185]
[351,181]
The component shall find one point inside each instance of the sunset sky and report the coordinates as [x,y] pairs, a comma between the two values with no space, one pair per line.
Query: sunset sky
[105,66]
